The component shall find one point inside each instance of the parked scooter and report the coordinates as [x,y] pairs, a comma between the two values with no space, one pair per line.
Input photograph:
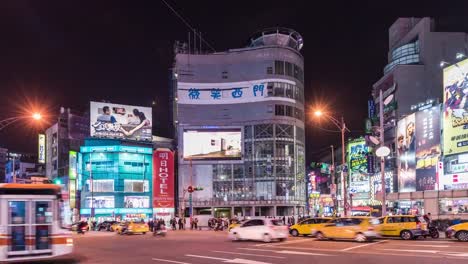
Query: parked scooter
[161,231]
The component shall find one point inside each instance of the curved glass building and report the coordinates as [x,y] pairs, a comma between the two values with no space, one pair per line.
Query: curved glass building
[239,123]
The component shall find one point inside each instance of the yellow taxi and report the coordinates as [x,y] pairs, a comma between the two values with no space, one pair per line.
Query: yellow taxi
[114,226]
[404,226]
[235,223]
[132,228]
[308,226]
[458,231]
[360,229]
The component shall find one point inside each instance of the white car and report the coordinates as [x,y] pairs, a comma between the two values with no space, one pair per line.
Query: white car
[264,230]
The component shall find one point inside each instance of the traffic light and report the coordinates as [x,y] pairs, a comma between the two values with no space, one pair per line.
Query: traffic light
[190,189]
[198,189]
[57,181]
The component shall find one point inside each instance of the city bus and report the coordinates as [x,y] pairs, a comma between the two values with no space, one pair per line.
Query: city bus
[31,223]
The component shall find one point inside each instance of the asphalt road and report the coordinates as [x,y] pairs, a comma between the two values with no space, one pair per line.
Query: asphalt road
[196,247]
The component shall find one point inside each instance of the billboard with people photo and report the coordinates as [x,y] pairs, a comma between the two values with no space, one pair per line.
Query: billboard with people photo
[455,108]
[406,148]
[121,121]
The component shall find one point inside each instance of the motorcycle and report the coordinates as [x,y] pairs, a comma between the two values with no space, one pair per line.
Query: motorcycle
[433,232]
[160,232]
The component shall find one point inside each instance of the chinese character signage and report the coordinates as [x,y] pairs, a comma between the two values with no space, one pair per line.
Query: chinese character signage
[427,148]
[223,93]
[41,149]
[163,179]
[406,148]
[455,117]
[120,121]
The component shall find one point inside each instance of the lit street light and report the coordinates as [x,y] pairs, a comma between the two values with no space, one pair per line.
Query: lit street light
[342,127]
[8,121]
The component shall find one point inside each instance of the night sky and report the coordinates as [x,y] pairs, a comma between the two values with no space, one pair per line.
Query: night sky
[66,53]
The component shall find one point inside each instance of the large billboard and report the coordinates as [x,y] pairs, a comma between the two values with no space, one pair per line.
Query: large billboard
[41,155]
[357,160]
[120,121]
[427,148]
[406,148]
[212,144]
[163,179]
[456,108]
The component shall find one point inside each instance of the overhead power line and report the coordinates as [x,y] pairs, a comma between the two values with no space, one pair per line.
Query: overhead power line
[188,25]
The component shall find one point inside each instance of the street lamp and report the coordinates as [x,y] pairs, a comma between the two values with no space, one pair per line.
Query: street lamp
[8,121]
[340,124]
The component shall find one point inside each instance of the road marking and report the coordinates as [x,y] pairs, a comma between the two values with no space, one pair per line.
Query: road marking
[456,254]
[365,245]
[247,254]
[236,260]
[207,257]
[170,261]
[283,243]
[411,250]
[287,252]
[436,246]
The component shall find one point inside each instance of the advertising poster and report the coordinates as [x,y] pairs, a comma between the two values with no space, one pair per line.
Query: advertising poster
[136,202]
[406,148]
[120,121]
[455,117]
[163,179]
[41,149]
[212,144]
[428,149]
[357,160]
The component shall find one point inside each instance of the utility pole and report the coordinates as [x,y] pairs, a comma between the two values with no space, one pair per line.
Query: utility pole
[343,164]
[382,159]
[190,193]
[333,179]
[92,184]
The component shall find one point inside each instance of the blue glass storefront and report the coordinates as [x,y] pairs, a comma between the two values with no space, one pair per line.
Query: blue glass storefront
[115,179]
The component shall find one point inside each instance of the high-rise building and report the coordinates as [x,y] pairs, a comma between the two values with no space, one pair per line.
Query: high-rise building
[67,134]
[413,74]
[239,124]
[412,88]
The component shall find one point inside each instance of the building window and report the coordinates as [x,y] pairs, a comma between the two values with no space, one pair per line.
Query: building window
[136,186]
[263,149]
[54,139]
[224,74]
[238,171]
[453,206]
[279,67]
[279,110]
[102,185]
[279,89]
[136,202]
[222,172]
[289,69]
[288,110]
[270,89]
[289,90]
[100,202]
[269,70]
